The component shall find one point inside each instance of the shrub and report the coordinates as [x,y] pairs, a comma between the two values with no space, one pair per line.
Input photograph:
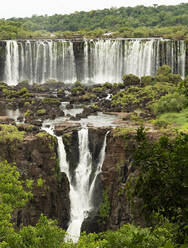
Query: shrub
[77,91]
[89,96]
[22,91]
[27,104]
[97,90]
[174,78]
[107,85]
[41,111]
[51,101]
[164,70]
[145,80]
[161,78]
[10,133]
[28,113]
[174,102]
[77,84]
[130,80]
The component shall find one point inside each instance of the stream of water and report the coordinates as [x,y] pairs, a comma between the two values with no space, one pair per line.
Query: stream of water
[81,187]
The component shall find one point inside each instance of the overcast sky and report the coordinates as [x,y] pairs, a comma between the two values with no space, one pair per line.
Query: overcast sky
[23,8]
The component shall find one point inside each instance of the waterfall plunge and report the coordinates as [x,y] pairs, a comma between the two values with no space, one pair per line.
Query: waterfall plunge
[81,186]
[81,190]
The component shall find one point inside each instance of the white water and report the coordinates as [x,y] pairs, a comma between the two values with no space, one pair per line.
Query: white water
[81,191]
[38,61]
[12,63]
[103,60]
[99,167]
[81,188]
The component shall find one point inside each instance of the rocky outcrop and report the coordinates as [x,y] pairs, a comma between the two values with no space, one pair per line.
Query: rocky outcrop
[116,172]
[36,158]
[71,142]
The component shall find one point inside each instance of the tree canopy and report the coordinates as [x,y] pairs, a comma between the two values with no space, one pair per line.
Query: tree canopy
[139,21]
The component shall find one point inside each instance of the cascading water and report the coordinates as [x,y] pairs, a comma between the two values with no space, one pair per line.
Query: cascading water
[38,61]
[81,185]
[12,62]
[103,60]
[81,190]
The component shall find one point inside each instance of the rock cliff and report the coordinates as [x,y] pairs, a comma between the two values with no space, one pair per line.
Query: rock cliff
[36,158]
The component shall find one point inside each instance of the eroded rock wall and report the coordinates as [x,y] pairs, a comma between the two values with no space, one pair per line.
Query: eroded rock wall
[36,159]
[116,171]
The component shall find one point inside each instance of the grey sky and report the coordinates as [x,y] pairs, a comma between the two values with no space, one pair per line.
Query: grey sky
[23,8]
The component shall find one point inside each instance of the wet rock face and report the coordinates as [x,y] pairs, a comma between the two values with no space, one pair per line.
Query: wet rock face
[116,171]
[79,58]
[186,63]
[2,59]
[70,140]
[36,159]
[96,139]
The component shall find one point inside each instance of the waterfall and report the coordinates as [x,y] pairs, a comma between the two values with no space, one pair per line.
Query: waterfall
[81,189]
[81,185]
[104,60]
[39,61]
[99,167]
[138,57]
[12,63]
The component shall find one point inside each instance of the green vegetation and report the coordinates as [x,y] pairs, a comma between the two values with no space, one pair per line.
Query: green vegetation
[52,101]
[162,178]
[28,113]
[67,137]
[78,90]
[97,90]
[10,133]
[41,111]
[12,30]
[140,21]
[179,119]
[173,102]
[131,80]
[42,135]
[47,234]
[40,182]
[89,96]
[12,195]
[10,94]
[118,131]
[166,92]
[104,209]
[135,96]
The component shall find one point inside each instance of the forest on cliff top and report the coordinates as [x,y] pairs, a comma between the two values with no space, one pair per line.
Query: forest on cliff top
[139,21]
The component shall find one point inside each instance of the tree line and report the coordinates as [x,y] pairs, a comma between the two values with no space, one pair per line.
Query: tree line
[139,21]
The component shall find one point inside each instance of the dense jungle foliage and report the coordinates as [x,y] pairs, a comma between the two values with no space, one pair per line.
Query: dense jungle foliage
[140,21]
